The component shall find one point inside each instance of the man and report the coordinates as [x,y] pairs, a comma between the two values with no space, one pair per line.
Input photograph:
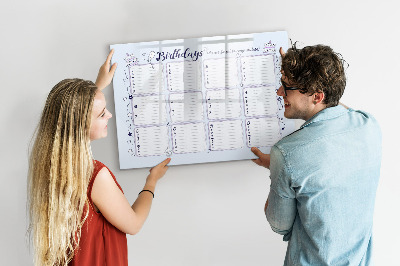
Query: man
[323,176]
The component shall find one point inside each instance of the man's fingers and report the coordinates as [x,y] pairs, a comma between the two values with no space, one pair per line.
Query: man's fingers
[256,151]
[257,161]
[281,52]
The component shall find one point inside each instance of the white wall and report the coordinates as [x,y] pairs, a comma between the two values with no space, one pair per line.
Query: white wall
[206,214]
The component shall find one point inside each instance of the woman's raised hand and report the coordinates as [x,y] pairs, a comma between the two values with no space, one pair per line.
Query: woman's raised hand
[106,73]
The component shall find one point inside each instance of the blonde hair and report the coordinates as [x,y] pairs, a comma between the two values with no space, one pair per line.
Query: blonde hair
[60,168]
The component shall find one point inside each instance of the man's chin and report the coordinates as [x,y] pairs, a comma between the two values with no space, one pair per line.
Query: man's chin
[287,115]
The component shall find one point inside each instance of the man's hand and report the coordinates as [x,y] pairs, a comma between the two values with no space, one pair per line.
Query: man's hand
[263,159]
[281,52]
[105,73]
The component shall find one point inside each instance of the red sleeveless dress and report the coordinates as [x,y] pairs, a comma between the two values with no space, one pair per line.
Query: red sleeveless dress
[101,243]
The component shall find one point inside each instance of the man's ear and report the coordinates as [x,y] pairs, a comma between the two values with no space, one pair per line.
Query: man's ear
[318,97]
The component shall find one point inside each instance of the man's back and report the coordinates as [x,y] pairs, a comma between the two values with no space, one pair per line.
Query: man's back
[328,171]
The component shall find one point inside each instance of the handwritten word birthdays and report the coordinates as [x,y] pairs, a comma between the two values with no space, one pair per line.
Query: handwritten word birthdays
[177,53]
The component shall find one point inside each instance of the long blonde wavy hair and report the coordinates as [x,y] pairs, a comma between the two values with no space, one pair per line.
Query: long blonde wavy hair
[60,168]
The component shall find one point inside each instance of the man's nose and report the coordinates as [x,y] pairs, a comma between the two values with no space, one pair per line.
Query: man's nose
[280,91]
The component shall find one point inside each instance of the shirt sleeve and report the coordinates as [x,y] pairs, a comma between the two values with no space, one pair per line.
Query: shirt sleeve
[281,210]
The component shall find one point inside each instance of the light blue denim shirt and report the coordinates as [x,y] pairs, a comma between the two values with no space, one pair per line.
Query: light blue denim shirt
[323,183]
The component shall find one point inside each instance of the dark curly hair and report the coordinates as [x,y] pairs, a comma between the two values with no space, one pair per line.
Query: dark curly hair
[316,69]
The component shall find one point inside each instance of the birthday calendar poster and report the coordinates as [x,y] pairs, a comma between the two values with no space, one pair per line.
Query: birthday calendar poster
[198,100]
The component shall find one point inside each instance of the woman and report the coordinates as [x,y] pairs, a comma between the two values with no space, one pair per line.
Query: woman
[78,212]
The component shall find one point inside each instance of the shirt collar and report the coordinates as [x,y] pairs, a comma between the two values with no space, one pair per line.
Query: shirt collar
[326,114]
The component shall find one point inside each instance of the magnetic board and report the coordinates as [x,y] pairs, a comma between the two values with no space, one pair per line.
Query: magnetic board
[198,100]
